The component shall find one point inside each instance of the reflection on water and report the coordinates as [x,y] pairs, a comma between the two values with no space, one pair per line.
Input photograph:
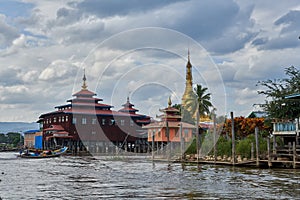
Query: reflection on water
[137,178]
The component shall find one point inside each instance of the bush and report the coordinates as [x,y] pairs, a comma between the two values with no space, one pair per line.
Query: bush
[192,149]
[224,147]
[243,147]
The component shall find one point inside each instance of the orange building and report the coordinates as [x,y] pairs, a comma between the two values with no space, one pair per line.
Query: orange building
[170,128]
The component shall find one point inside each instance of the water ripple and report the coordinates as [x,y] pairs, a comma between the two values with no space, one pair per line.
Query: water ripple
[137,178]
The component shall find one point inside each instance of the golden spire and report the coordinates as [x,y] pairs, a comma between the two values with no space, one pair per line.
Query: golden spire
[84,85]
[169,101]
[189,77]
[188,98]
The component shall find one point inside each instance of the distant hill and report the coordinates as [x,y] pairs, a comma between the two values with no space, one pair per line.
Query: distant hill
[6,127]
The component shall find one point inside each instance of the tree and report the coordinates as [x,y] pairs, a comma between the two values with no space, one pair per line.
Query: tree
[246,126]
[199,101]
[178,107]
[14,138]
[203,100]
[3,138]
[276,105]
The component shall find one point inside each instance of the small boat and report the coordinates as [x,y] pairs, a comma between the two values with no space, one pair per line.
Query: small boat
[44,154]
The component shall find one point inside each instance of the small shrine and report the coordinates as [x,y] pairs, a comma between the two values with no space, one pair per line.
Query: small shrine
[169,129]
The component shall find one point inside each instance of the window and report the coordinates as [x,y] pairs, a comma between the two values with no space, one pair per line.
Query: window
[93,132]
[94,121]
[66,118]
[186,132]
[103,121]
[62,119]
[59,119]
[131,123]
[122,122]
[83,120]
[112,122]
[177,133]
[74,120]
[54,119]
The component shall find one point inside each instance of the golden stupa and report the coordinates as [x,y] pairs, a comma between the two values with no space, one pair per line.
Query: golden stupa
[189,98]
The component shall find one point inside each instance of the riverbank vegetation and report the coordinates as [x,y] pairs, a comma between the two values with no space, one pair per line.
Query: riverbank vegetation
[276,105]
[10,140]
[244,138]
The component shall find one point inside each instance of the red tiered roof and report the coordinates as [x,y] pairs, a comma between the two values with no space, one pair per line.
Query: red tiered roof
[170,113]
[84,93]
[128,107]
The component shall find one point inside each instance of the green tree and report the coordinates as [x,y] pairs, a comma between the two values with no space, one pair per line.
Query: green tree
[3,138]
[203,99]
[178,107]
[276,105]
[14,138]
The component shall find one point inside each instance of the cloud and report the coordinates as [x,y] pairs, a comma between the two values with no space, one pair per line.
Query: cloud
[46,45]
[58,70]
[8,33]
[107,8]
[287,33]
[9,76]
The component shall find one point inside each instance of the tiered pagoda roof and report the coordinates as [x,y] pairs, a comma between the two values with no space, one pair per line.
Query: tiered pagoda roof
[169,118]
[170,113]
[85,102]
[128,107]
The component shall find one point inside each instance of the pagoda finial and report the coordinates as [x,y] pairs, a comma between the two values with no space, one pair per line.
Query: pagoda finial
[189,54]
[169,101]
[84,86]
[127,99]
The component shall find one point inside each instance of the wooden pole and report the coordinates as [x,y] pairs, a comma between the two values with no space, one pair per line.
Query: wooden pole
[294,155]
[181,141]
[215,132]
[153,133]
[232,138]
[269,152]
[256,145]
[252,151]
[274,145]
[168,147]
[197,134]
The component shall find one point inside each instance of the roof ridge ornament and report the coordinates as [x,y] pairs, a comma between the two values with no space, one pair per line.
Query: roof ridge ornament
[169,101]
[84,85]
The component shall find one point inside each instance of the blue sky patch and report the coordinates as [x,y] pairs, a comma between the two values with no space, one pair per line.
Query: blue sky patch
[15,8]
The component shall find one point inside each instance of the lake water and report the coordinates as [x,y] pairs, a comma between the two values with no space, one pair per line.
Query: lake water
[70,177]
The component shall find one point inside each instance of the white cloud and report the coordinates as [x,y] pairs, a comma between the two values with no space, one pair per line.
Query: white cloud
[57,69]
[8,32]
[43,53]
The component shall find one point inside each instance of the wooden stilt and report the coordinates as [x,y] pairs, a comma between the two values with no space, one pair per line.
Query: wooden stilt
[252,151]
[269,152]
[232,138]
[256,146]
[274,144]
[215,133]
[153,133]
[181,142]
[294,155]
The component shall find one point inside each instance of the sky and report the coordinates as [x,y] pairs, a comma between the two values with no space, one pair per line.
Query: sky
[139,49]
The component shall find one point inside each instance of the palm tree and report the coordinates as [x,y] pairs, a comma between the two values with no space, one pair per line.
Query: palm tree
[203,100]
